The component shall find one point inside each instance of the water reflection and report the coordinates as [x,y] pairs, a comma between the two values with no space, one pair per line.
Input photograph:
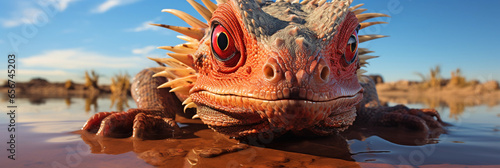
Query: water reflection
[37,100]
[91,101]
[120,100]
[67,101]
[182,152]
[456,103]
[116,102]
[191,147]
[473,141]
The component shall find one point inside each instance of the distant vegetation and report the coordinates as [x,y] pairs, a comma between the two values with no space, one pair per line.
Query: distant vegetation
[91,80]
[458,80]
[433,80]
[120,84]
[69,84]
[120,89]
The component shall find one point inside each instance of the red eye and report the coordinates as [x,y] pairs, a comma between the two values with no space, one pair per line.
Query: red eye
[223,46]
[351,50]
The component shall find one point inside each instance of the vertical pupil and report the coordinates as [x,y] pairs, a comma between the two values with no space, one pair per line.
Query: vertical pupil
[222,41]
[353,47]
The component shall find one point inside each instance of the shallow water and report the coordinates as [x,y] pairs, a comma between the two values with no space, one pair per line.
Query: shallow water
[47,136]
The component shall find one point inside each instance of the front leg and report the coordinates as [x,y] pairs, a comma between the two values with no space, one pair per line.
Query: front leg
[426,120]
[370,112]
[154,117]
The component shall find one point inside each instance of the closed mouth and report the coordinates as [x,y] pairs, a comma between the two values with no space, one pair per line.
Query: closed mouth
[225,110]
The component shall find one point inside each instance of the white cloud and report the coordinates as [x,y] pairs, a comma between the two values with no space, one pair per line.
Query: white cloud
[27,12]
[79,59]
[33,72]
[145,26]
[63,64]
[63,4]
[144,50]
[111,4]
[27,15]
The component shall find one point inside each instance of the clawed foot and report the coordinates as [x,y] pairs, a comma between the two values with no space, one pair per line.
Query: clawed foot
[400,115]
[138,123]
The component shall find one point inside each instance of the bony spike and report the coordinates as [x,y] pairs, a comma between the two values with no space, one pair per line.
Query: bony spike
[186,59]
[165,74]
[368,24]
[182,89]
[356,7]
[195,116]
[321,2]
[188,39]
[204,12]
[187,18]
[365,38]
[190,105]
[219,2]
[180,82]
[359,11]
[366,16]
[196,33]
[187,101]
[210,5]
[181,49]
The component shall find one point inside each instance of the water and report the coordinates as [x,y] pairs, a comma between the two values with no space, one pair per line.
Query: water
[47,135]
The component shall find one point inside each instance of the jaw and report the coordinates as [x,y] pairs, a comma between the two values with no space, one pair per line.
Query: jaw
[239,116]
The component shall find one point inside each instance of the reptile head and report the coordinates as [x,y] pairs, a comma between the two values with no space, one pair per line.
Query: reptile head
[272,67]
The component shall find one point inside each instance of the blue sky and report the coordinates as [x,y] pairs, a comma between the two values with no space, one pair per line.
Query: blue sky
[112,36]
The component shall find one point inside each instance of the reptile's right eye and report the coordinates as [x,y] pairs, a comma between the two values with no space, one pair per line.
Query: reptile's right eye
[223,46]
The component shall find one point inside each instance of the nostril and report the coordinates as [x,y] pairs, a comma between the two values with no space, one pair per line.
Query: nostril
[269,71]
[272,71]
[325,73]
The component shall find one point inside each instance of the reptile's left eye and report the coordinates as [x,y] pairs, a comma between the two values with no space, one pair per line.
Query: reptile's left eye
[351,50]
[223,46]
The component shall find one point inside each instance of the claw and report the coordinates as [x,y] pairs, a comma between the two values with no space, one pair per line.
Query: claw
[431,112]
[93,124]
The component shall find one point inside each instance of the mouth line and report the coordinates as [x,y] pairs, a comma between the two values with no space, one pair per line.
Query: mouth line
[287,99]
[229,110]
[241,115]
[230,103]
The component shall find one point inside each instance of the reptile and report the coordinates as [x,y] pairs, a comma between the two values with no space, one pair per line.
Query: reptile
[263,68]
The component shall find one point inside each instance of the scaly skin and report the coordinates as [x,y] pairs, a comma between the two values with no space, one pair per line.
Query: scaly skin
[263,69]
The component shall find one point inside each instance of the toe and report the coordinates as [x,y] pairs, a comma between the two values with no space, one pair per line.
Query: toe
[117,125]
[153,127]
[93,124]
[406,120]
